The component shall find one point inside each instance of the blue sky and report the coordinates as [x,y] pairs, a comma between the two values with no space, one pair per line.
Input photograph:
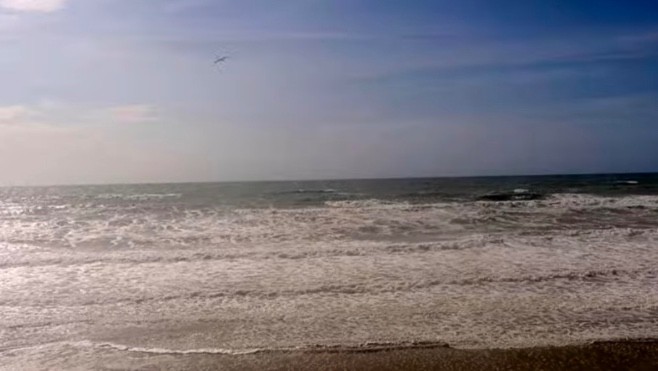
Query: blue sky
[108,91]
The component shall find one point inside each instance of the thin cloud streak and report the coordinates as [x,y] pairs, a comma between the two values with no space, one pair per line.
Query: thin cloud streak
[38,6]
[135,113]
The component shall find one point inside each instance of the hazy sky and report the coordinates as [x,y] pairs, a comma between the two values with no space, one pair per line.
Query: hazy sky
[96,91]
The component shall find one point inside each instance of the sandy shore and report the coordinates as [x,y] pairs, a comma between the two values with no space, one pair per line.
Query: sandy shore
[628,355]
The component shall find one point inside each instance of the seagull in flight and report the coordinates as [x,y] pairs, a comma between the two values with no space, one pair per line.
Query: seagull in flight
[221,59]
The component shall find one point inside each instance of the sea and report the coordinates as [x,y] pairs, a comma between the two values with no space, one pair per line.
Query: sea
[96,272]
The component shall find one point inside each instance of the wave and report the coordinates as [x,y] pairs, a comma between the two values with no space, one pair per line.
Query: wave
[138,197]
[129,228]
[516,198]
[568,276]
[592,276]
[366,347]
[37,257]
[366,204]
[11,209]
[627,182]
[328,190]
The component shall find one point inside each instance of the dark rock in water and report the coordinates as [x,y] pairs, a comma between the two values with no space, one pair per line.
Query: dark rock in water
[511,196]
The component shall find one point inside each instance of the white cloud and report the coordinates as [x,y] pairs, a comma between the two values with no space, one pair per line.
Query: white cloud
[58,143]
[49,113]
[31,155]
[11,115]
[42,6]
[133,113]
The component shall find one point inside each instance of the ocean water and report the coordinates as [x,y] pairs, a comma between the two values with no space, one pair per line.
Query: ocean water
[235,268]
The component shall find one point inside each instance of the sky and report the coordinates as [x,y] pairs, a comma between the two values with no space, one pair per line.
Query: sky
[117,91]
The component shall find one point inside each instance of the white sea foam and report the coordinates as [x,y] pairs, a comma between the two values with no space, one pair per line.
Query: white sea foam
[158,279]
[126,348]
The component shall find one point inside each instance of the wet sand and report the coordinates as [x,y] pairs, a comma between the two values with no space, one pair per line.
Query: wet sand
[629,355]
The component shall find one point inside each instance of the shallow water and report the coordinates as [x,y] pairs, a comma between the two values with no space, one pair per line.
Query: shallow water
[242,267]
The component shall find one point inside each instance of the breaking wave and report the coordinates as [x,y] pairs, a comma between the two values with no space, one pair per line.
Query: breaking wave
[367,347]
[560,268]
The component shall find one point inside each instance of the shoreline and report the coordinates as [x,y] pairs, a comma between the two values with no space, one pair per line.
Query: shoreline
[632,354]
[641,354]
[628,355]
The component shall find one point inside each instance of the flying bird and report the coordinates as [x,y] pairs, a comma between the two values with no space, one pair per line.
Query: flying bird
[221,59]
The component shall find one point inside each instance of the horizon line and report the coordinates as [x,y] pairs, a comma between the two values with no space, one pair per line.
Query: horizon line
[527,175]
